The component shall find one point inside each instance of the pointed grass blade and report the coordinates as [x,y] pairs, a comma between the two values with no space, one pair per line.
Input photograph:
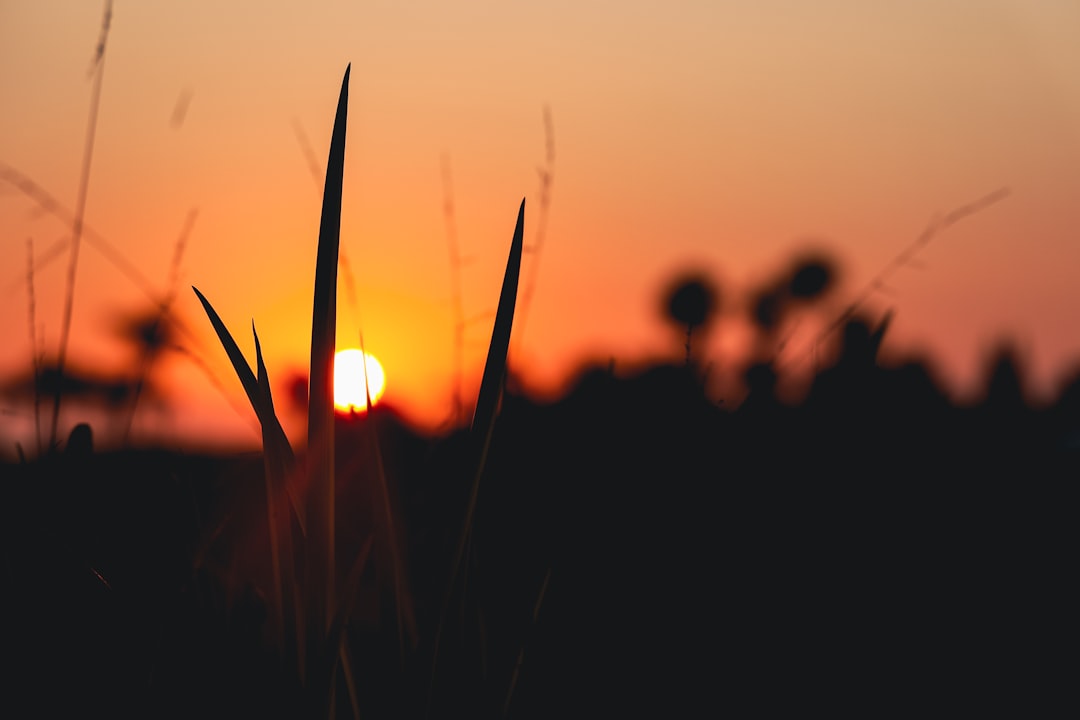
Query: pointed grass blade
[491,384]
[320,564]
[267,418]
[239,362]
[274,440]
[487,404]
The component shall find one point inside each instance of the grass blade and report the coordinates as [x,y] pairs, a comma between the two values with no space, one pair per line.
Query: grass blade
[487,404]
[279,467]
[274,479]
[491,384]
[404,613]
[521,652]
[321,566]
[904,258]
[547,176]
[239,362]
[254,394]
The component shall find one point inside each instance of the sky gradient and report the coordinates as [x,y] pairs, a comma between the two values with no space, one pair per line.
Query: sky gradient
[717,135]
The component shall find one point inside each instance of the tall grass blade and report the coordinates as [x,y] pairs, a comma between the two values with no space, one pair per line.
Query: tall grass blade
[491,384]
[487,404]
[321,566]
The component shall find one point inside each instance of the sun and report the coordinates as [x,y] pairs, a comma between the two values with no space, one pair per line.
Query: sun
[350,367]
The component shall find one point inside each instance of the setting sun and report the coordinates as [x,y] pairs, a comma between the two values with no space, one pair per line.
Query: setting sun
[350,368]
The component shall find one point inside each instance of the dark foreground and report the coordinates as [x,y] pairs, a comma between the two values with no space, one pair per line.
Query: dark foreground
[873,551]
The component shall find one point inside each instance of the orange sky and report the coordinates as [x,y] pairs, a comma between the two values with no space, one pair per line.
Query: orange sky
[717,134]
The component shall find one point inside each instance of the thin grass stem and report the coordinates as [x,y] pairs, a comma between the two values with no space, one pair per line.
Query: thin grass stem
[98,68]
[35,358]
[456,300]
[547,178]
[46,201]
[150,351]
[404,618]
[521,652]
[904,258]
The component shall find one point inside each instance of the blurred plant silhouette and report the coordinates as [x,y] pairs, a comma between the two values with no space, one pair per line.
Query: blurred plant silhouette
[151,333]
[691,302]
[809,279]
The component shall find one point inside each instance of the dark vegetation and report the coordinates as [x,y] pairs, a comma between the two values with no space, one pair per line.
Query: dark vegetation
[871,549]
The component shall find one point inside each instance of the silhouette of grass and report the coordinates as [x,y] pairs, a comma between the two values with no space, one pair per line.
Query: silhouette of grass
[320,445]
[153,339]
[404,615]
[521,653]
[322,607]
[483,422]
[457,302]
[778,553]
[547,179]
[905,257]
[317,176]
[35,357]
[98,71]
[48,202]
[316,665]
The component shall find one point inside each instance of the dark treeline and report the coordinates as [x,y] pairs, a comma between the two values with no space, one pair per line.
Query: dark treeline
[638,548]
[873,548]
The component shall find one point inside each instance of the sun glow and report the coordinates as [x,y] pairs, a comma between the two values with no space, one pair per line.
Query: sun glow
[350,368]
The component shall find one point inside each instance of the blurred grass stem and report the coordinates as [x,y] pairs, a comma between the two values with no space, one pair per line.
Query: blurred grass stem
[98,68]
